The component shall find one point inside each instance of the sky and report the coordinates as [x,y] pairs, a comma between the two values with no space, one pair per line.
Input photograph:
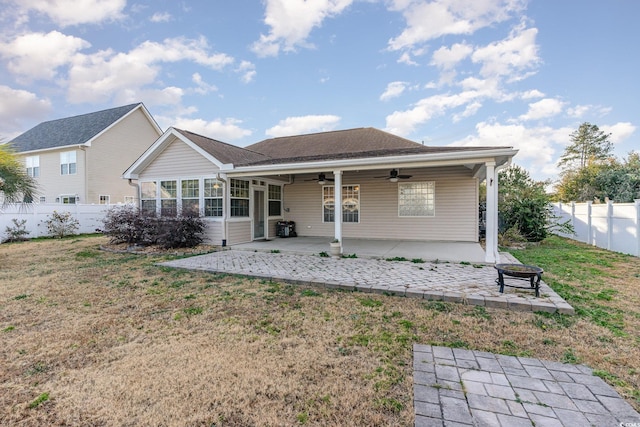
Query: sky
[440,72]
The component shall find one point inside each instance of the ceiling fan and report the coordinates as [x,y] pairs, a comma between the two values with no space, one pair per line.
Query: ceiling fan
[394,175]
[321,179]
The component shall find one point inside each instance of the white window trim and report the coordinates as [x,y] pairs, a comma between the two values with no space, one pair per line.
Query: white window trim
[68,162]
[32,164]
[269,199]
[359,191]
[431,183]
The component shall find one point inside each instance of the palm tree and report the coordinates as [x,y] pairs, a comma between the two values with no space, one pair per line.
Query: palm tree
[15,184]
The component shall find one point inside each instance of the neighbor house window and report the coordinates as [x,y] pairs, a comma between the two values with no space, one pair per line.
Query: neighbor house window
[148,194]
[68,163]
[66,199]
[417,199]
[275,200]
[190,197]
[43,199]
[213,192]
[168,198]
[239,197]
[33,166]
[350,203]
[104,199]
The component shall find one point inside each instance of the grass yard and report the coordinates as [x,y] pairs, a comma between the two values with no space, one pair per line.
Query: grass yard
[96,338]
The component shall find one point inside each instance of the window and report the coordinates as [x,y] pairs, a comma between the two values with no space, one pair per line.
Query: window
[148,194]
[239,198]
[350,203]
[67,199]
[43,199]
[68,163]
[33,166]
[417,199]
[191,197]
[275,200]
[213,192]
[104,199]
[168,198]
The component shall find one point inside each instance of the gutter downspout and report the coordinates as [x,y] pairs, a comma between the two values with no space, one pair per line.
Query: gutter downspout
[137,187]
[225,209]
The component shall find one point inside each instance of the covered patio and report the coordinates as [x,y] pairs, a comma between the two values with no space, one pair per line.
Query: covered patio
[373,248]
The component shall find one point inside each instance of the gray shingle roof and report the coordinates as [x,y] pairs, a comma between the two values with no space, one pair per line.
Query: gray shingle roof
[226,153]
[74,130]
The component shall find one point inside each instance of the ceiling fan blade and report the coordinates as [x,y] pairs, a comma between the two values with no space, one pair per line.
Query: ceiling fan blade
[404,176]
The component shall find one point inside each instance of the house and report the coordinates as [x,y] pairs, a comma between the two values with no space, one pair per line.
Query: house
[389,187]
[80,159]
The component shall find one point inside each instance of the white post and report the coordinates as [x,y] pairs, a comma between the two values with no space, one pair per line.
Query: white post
[609,224]
[590,239]
[637,203]
[573,215]
[337,203]
[491,243]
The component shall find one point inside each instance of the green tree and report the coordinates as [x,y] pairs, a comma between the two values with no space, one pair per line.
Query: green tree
[15,185]
[524,204]
[588,145]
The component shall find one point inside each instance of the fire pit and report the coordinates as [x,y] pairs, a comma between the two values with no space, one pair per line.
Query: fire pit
[531,273]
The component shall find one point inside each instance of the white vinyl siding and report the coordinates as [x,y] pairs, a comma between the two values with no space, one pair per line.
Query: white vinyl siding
[455,219]
[177,158]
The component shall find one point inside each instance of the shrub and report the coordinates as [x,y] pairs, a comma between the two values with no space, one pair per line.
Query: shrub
[126,224]
[61,224]
[17,232]
[179,232]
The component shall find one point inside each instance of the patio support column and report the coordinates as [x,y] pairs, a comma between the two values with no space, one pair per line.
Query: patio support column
[491,242]
[337,191]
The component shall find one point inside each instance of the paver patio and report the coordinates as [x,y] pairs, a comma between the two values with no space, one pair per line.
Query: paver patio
[466,283]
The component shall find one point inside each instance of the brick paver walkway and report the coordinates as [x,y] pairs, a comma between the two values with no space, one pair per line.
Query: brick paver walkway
[457,387]
[462,283]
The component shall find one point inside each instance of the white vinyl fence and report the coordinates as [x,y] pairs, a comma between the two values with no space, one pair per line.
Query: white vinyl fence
[613,226]
[89,216]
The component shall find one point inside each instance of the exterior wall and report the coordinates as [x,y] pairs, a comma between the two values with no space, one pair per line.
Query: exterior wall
[52,184]
[112,153]
[456,207]
[272,227]
[238,231]
[213,232]
[178,160]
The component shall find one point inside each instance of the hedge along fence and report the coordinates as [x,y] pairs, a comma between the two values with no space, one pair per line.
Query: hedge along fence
[90,217]
[612,226]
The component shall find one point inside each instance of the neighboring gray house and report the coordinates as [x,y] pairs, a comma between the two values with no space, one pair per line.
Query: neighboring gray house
[389,187]
[80,159]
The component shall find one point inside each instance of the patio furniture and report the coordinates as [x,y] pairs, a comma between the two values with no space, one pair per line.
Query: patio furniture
[530,273]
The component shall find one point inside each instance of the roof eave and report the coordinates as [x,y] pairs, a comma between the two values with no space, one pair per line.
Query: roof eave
[499,156]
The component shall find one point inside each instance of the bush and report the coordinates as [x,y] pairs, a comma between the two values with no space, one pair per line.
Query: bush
[180,232]
[127,224]
[61,224]
[17,232]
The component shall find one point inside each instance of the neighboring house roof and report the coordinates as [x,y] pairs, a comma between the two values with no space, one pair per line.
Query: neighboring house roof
[222,151]
[76,130]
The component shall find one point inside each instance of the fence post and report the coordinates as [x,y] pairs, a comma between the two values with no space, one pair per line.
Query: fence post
[573,215]
[609,224]
[590,238]
[637,204]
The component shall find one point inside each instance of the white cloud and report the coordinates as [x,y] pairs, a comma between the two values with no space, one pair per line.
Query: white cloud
[203,87]
[96,77]
[75,12]
[303,124]
[394,89]
[17,106]
[531,94]
[430,20]
[248,71]
[580,111]
[225,130]
[160,17]
[511,57]
[405,58]
[447,58]
[291,22]
[619,132]
[404,122]
[544,108]
[536,145]
[39,55]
